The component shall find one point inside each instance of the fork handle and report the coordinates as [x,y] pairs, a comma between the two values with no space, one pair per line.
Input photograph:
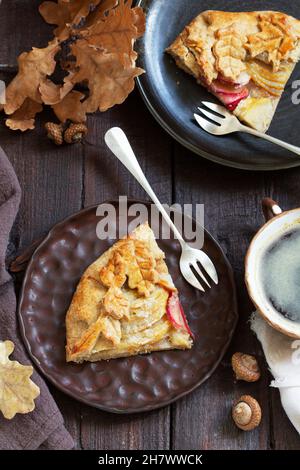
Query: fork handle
[281,143]
[118,143]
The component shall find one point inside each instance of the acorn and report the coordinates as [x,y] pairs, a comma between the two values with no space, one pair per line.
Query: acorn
[245,367]
[75,133]
[246,413]
[54,132]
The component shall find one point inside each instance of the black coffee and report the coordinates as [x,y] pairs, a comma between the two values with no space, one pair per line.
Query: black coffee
[280,275]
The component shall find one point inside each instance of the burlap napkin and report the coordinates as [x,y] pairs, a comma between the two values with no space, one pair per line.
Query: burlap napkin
[44,427]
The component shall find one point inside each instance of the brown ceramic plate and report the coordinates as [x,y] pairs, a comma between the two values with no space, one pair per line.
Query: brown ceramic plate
[128,385]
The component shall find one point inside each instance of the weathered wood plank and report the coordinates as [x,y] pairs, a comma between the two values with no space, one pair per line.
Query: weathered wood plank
[116,432]
[72,413]
[232,214]
[59,181]
[105,178]
[51,181]
[17,17]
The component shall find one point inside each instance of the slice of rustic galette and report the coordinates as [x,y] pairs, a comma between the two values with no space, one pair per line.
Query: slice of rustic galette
[244,59]
[126,304]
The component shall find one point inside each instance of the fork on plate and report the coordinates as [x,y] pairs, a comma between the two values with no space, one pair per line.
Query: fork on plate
[191,260]
[226,123]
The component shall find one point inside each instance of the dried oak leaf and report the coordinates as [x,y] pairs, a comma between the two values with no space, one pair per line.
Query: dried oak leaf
[66,14]
[23,118]
[71,108]
[105,57]
[34,67]
[110,77]
[17,391]
[100,12]
[52,93]
[118,30]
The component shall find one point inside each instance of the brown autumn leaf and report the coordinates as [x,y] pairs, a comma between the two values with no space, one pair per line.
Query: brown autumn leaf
[52,93]
[66,14]
[34,67]
[17,391]
[23,118]
[101,56]
[71,107]
[100,12]
[110,77]
[118,31]
[105,57]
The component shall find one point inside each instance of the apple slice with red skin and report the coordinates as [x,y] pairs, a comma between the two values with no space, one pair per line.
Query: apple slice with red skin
[226,88]
[242,80]
[232,100]
[232,106]
[176,314]
[229,93]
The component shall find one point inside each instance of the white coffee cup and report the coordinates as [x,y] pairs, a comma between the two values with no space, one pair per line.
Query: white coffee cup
[278,223]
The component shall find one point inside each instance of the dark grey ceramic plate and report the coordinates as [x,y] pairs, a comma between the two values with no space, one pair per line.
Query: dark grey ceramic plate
[173,96]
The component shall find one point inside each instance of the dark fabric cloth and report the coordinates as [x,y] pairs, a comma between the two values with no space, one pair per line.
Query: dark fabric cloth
[44,426]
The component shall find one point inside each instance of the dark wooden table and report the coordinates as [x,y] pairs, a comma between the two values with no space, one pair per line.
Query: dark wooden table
[59,181]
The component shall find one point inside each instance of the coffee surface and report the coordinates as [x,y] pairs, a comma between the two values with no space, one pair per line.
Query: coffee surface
[280,275]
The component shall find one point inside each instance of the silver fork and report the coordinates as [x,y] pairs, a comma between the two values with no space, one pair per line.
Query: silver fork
[227,123]
[190,258]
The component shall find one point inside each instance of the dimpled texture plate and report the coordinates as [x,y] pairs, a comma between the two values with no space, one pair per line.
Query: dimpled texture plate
[173,96]
[126,385]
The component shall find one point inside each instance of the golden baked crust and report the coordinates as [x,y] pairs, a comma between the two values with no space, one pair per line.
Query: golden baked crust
[261,46]
[120,306]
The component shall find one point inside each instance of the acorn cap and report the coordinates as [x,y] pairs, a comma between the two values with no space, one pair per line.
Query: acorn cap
[246,413]
[75,133]
[245,367]
[54,132]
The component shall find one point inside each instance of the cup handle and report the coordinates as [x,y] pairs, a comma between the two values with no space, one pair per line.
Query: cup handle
[270,208]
